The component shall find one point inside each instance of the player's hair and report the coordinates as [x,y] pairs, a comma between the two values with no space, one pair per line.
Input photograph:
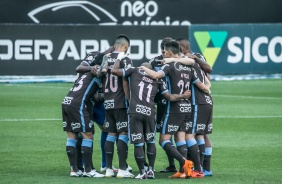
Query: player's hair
[147,65]
[184,42]
[122,40]
[98,59]
[164,41]
[173,46]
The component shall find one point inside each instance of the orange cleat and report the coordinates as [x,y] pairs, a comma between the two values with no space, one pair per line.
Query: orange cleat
[178,175]
[188,165]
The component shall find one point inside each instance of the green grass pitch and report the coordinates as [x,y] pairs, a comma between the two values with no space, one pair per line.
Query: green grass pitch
[247,135]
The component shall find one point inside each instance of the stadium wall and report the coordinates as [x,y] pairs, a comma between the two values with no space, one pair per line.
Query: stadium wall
[57,49]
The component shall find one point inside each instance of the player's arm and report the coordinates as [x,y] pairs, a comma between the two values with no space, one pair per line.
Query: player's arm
[152,73]
[204,65]
[125,86]
[177,97]
[182,60]
[207,82]
[83,68]
[116,68]
[202,87]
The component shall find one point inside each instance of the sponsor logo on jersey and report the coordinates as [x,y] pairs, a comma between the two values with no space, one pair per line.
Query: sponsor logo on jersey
[67,100]
[208,99]
[143,109]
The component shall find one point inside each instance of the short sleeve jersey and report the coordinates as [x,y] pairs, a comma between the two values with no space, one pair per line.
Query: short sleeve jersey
[83,88]
[90,59]
[179,78]
[143,90]
[197,96]
[112,85]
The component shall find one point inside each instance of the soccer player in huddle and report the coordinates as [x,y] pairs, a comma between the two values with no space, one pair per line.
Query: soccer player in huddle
[143,90]
[96,112]
[178,114]
[202,106]
[77,120]
[116,121]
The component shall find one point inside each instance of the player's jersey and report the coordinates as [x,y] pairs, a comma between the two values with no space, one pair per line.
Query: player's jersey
[85,85]
[82,91]
[156,63]
[197,96]
[112,85]
[142,91]
[179,78]
[90,59]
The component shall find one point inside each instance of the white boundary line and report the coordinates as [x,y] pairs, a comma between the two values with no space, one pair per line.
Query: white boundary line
[57,119]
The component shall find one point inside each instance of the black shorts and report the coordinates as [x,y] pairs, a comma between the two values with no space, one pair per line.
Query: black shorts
[76,120]
[173,123]
[202,119]
[141,128]
[159,115]
[116,120]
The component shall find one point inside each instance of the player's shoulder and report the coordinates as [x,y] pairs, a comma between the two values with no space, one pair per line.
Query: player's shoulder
[90,57]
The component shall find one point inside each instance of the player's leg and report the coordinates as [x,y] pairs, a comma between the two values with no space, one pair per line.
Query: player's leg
[207,157]
[71,140]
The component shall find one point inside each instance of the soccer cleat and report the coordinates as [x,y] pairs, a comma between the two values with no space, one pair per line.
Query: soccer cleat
[142,176]
[207,173]
[150,174]
[188,165]
[178,175]
[129,168]
[103,169]
[197,174]
[76,174]
[93,173]
[169,169]
[109,173]
[124,174]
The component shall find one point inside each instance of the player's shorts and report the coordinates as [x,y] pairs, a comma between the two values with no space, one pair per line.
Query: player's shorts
[141,128]
[99,113]
[116,120]
[173,123]
[76,120]
[161,108]
[202,119]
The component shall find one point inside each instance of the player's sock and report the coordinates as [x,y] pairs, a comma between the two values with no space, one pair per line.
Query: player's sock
[78,152]
[172,151]
[139,156]
[122,148]
[86,150]
[201,145]
[207,159]
[182,148]
[102,144]
[194,152]
[171,158]
[71,152]
[109,150]
[151,154]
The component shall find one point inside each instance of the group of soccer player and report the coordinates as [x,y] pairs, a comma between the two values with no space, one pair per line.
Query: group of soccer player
[177,82]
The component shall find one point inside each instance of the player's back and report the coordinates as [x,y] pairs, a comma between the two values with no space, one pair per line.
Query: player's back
[83,89]
[143,90]
[178,78]
[113,86]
